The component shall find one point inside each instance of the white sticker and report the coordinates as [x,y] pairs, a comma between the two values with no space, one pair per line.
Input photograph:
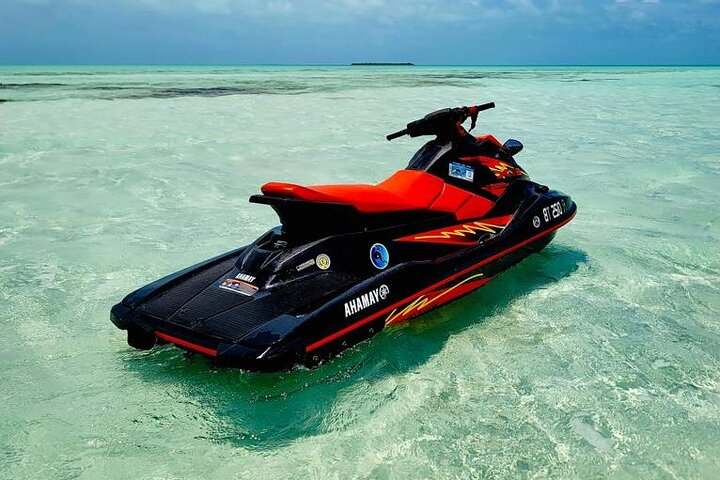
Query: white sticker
[461,171]
[305,265]
[238,286]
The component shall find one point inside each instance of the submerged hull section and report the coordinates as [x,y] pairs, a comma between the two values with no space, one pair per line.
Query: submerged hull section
[275,321]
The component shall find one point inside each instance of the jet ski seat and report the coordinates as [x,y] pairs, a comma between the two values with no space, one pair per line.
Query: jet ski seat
[405,190]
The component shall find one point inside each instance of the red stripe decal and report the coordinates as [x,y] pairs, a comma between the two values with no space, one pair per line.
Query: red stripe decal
[182,343]
[375,315]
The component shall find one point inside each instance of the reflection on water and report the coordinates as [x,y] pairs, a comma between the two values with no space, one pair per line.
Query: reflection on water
[263,411]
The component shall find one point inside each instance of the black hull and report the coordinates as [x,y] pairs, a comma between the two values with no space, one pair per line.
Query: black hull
[308,320]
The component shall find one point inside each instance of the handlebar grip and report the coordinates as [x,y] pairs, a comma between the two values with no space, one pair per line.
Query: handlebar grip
[485,106]
[395,135]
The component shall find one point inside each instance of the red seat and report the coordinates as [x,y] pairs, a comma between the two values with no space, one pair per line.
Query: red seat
[404,190]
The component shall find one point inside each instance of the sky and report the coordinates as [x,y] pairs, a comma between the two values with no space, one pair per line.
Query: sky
[435,32]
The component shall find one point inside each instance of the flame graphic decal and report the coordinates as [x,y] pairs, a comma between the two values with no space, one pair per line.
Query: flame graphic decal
[464,234]
[465,229]
[501,169]
[435,299]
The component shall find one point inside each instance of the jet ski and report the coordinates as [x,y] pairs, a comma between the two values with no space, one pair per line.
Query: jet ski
[347,261]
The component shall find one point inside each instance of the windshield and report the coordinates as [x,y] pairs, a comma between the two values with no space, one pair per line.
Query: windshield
[426,156]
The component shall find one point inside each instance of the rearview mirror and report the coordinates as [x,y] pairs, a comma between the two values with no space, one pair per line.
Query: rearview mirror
[512,147]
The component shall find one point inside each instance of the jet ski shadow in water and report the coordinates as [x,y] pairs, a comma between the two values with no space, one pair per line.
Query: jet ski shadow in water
[268,410]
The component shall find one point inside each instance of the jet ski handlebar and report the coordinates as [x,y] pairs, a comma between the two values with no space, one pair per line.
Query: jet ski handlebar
[445,122]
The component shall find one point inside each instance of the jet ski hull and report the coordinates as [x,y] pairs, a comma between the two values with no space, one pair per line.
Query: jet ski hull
[310,320]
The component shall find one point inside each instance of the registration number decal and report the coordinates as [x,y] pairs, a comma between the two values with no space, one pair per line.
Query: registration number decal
[553,211]
[549,213]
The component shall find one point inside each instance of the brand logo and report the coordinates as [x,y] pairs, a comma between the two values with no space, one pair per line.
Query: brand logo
[322,261]
[245,277]
[366,300]
[536,221]
[379,256]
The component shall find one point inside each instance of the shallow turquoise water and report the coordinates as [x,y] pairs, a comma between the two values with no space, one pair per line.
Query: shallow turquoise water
[599,357]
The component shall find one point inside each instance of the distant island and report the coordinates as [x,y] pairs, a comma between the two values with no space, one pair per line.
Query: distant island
[375,64]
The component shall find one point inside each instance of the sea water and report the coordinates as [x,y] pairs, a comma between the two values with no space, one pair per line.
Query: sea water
[599,357]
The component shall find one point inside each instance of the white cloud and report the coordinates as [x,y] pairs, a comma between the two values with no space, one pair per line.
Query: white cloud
[531,14]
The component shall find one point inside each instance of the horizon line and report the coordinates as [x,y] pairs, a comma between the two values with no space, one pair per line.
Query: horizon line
[398,64]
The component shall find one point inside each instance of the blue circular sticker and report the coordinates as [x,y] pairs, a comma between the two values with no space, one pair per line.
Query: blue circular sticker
[379,256]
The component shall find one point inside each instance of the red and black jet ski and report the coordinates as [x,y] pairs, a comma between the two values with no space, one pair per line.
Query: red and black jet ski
[349,260]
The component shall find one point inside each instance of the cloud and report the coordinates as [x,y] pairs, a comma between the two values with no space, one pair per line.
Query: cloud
[311,10]
[317,31]
[531,14]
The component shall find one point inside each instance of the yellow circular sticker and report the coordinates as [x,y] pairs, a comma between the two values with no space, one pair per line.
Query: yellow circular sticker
[322,261]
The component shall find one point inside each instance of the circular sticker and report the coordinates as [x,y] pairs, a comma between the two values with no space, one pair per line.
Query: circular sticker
[379,256]
[536,222]
[322,261]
